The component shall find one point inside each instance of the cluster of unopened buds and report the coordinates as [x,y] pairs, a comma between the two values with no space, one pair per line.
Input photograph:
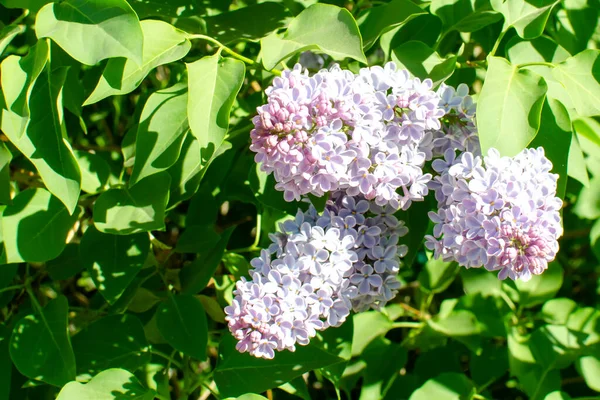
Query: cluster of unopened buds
[363,140]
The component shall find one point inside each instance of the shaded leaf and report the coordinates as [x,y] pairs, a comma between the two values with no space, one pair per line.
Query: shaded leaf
[239,373]
[8,33]
[181,320]
[424,62]
[40,346]
[35,227]
[67,264]
[249,23]
[378,20]
[161,131]
[464,15]
[111,342]
[113,261]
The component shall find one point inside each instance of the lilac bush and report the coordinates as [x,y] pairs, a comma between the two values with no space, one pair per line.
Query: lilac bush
[317,269]
[498,212]
[359,133]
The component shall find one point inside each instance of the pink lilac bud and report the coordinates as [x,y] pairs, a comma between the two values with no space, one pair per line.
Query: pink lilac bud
[337,131]
[497,212]
[318,269]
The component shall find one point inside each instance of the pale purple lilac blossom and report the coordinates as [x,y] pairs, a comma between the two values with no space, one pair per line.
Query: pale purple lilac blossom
[318,269]
[498,212]
[458,127]
[358,133]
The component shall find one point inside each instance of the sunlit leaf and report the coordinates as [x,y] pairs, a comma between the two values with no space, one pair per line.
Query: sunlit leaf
[91,31]
[110,384]
[323,27]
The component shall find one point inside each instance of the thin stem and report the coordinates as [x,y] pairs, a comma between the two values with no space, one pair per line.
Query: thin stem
[231,52]
[9,288]
[497,44]
[233,134]
[208,387]
[511,305]
[21,17]
[254,246]
[167,357]
[537,63]
[407,324]
[411,310]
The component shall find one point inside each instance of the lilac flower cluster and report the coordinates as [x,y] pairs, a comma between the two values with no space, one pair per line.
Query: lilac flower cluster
[499,212]
[357,133]
[458,129]
[316,270]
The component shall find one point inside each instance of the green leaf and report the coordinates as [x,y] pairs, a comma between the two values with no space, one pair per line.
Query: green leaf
[555,136]
[557,395]
[249,23]
[576,162]
[384,359]
[195,276]
[237,265]
[40,346]
[213,84]
[94,171]
[163,44]
[213,308]
[111,384]
[140,208]
[461,325]
[113,261]
[437,275]
[527,17]
[446,386]
[424,62]
[35,123]
[556,346]
[595,238]
[23,72]
[263,186]
[111,342]
[576,23]
[31,5]
[368,326]
[539,288]
[6,364]
[66,265]
[181,320]
[8,33]
[588,201]
[197,239]
[323,27]
[161,131]
[424,28]
[464,15]
[378,20]
[589,367]
[509,106]
[142,301]
[35,227]
[490,365]
[580,75]
[239,373]
[557,311]
[92,31]
[5,188]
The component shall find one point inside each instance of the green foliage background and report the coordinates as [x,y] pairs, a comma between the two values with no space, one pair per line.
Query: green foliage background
[131,203]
